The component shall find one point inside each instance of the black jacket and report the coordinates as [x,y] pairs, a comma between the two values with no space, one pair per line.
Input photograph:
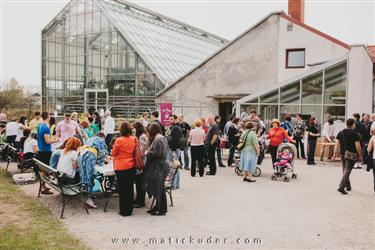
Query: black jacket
[175,137]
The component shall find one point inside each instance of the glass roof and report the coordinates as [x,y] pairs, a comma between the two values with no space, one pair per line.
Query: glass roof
[169,47]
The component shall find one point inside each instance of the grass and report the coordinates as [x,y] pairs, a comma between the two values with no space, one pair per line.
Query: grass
[26,224]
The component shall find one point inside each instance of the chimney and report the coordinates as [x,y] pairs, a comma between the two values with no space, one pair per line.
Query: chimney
[296,9]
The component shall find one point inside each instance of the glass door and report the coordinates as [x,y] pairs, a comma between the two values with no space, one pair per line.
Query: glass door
[96,99]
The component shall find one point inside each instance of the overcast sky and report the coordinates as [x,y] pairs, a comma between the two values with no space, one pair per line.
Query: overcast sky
[22,22]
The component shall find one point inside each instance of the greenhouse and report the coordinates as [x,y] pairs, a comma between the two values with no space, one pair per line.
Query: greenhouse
[320,92]
[115,55]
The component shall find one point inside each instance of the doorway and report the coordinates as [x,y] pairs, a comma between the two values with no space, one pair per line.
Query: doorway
[225,110]
[95,99]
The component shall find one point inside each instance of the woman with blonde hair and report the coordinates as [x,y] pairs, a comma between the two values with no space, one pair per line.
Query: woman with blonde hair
[196,140]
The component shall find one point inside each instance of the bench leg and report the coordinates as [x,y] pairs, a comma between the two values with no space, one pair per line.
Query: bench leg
[6,169]
[40,188]
[106,201]
[63,208]
[83,202]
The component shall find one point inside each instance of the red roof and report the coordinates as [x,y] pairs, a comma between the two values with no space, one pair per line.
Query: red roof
[371,49]
[330,38]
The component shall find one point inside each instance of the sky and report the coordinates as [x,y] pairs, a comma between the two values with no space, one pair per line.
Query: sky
[22,21]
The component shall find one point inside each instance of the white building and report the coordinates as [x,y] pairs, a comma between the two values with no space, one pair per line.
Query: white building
[278,66]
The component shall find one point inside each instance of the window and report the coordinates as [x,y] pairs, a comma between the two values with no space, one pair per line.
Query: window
[295,58]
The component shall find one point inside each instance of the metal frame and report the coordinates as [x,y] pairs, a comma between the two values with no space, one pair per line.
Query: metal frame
[96,91]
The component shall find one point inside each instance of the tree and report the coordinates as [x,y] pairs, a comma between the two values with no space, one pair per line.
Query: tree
[11,96]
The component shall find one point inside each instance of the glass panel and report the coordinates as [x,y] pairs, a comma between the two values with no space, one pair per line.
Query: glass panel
[312,89]
[296,58]
[292,110]
[255,100]
[269,112]
[290,93]
[334,112]
[272,97]
[335,85]
[312,111]
[249,107]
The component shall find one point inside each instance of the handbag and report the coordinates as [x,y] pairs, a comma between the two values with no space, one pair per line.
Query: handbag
[349,155]
[138,156]
[242,143]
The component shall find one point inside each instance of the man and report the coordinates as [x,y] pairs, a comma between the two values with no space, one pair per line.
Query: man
[298,134]
[109,129]
[372,122]
[211,143]
[287,125]
[44,145]
[360,129]
[11,131]
[155,118]
[67,128]
[35,122]
[228,125]
[244,115]
[217,122]
[328,134]
[254,119]
[175,145]
[348,142]
[366,139]
[185,128]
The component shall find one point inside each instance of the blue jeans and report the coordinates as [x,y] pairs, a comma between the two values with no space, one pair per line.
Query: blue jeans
[176,181]
[186,156]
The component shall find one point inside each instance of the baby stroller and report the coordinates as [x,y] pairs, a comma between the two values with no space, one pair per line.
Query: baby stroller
[285,162]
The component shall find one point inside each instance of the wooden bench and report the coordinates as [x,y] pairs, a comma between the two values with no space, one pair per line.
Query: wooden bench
[55,180]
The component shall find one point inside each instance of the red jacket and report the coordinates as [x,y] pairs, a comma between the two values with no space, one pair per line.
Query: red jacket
[276,136]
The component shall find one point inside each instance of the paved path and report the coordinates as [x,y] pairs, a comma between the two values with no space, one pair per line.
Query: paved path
[304,213]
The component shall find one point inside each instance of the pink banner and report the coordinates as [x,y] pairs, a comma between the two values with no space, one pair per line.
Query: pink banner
[165,113]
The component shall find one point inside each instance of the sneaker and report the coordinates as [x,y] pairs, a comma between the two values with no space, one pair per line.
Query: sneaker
[91,204]
[342,191]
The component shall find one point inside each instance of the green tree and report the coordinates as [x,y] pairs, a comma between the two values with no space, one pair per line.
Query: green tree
[11,96]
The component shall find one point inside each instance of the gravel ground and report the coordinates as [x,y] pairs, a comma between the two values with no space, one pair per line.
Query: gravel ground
[226,213]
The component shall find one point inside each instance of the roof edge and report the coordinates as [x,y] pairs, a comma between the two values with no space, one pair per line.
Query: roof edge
[366,49]
[292,79]
[138,7]
[318,32]
[55,17]
[220,50]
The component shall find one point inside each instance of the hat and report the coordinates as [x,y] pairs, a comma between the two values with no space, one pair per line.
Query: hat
[275,121]
[67,112]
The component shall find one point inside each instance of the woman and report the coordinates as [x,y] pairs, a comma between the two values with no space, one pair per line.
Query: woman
[143,144]
[21,127]
[52,126]
[144,120]
[30,148]
[91,154]
[123,154]
[249,153]
[196,140]
[313,135]
[276,136]
[97,120]
[68,161]
[87,129]
[371,148]
[156,169]
[233,137]
[93,125]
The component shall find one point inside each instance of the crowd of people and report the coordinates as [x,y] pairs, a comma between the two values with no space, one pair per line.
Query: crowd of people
[75,145]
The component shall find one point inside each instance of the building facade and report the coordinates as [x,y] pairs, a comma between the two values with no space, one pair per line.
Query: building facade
[278,66]
[110,54]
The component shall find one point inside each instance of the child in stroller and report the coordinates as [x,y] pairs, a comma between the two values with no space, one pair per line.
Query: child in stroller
[285,162]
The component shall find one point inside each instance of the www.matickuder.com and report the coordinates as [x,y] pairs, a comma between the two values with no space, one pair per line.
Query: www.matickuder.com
[189,240]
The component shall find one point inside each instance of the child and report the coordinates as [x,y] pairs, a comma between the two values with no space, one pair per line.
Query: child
[68,160]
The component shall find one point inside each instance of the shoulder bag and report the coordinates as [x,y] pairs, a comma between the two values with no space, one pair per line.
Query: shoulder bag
[349,155]
[138,156]
[242,143]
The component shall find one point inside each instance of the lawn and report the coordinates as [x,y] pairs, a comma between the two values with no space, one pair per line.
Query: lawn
[26,224]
